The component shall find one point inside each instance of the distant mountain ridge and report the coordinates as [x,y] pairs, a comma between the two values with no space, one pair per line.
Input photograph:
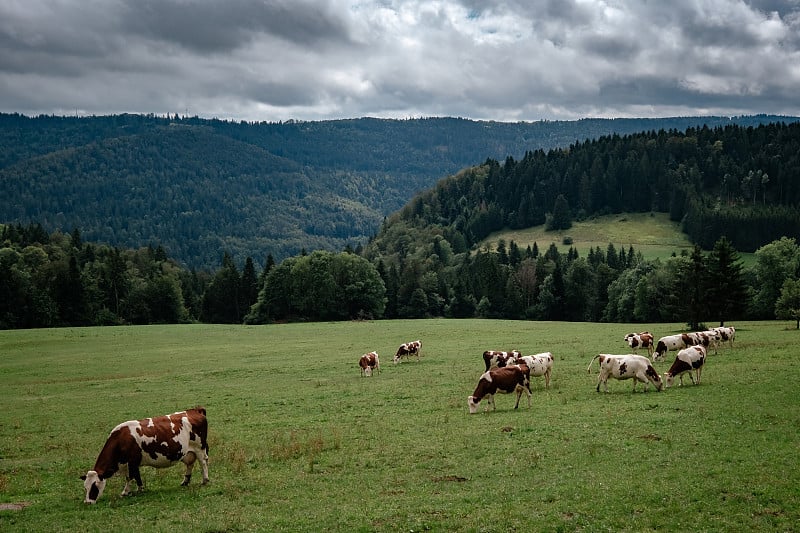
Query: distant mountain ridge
[200,187]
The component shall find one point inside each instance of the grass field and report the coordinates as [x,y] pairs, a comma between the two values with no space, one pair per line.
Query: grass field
[299,441]
[652,234]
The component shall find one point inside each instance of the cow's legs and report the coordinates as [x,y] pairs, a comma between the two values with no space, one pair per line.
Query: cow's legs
[204,464]
[123,471]
[132,475]
[188,460]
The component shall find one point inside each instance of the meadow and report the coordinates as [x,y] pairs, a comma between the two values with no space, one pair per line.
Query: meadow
[654,235]
[299,441]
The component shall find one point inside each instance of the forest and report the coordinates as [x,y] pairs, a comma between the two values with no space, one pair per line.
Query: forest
[197,187]
[732,188]
[58,280]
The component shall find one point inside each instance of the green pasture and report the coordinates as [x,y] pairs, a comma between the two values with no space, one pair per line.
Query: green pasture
[652,234]
[299,441]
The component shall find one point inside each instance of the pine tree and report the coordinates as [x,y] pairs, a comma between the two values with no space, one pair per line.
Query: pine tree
[561,218]
[726,288]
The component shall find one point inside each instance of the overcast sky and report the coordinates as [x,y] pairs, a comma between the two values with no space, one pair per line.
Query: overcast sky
[320,59]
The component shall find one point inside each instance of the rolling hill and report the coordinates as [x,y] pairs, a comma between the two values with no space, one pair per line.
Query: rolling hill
[202,187]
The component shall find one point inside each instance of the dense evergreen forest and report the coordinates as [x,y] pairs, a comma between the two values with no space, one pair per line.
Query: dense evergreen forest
[198,187]
[60,280]
[741,183]
[733,188]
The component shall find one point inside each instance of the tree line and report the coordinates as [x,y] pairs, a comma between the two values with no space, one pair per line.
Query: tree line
[52,280]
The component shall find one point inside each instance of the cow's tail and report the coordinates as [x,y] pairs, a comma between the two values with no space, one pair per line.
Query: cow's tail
[589,368]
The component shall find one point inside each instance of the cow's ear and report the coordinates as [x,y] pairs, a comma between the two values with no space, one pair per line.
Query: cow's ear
[83,478]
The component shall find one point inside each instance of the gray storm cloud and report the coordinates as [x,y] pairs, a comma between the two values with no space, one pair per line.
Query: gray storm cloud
[310,59]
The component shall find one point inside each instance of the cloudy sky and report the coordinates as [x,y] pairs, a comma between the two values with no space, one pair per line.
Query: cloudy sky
[503,60]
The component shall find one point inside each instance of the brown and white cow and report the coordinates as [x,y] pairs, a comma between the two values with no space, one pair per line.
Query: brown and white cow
[505,380]
[158,442]
[499,359]
[689,359]
[627,366]
[407,349]
[671,342]
[727,334]
[369,362]
[708,339]
[640,340]
[540,364]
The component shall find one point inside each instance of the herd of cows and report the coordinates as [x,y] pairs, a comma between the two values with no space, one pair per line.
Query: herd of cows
[508,372]
[165,440]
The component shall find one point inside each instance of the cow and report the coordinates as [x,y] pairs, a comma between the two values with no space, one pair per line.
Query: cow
[628,366]
[706,339]
[688,359]
[499,359]
[726,334]
[158,442]
[407,349]
[640,340]
[671,342]
[540,365]
[505,380]
[709,339]
[369,362]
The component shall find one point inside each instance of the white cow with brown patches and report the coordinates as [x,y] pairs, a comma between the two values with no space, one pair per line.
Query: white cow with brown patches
[727,334]
[159,442]
[630,366]
[498,358]
[644,339]
[540,365]
[369,363]
[688,360]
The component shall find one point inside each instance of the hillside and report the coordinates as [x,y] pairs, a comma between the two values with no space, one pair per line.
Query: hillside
[652,234]
[202,187]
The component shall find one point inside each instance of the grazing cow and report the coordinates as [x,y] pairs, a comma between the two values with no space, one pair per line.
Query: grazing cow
[540,365]
[158,442]
[706,339]
[671,342]
[629,366]
[709,339]
[640,340]
[368,363]
[498,359]
[726,334]
[688,359]
[505,380]
[407,349]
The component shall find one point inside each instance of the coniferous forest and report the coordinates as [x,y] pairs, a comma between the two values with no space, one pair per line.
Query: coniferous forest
[198,187]
[733,189]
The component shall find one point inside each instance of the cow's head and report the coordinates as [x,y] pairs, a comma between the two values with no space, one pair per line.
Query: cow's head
[654,377]
[669,379]
[94,485]
[472,404]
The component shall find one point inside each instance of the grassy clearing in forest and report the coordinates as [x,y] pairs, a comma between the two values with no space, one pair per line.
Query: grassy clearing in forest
[300,441]
[652,234]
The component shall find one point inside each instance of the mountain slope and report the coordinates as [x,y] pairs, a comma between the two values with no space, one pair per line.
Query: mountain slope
[201,187]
